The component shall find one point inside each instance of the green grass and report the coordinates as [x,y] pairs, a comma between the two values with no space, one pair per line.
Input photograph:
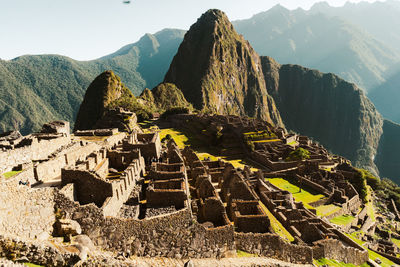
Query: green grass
[266,141]
[32,264]
[277,227]
[369,204]
[333,263]
[396,242]
[179,137]
[293,143]
[10,174]
[303,195]
[342,220]
[326,210]
[372,255]
[243,254]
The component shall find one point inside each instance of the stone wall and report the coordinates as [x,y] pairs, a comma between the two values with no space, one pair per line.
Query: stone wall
[274,166]
[36,150]
[174,235]
[334,249]
[25,211]
[35,252]
[89,187]
[271,245]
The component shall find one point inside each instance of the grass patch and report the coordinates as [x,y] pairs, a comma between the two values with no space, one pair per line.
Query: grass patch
[293,143]
[333,263]
[326,210]
[277,227]
[10,174]
[32,264]
[267,141]
[369,204]
[396,242]
[179,137]
[304,196]
[243,254]
[372,255]
[342,220]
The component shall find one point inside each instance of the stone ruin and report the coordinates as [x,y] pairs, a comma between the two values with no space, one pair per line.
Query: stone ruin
[131,194]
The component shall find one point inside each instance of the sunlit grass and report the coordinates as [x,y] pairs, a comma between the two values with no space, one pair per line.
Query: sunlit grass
[372,255]
[299,195]
[179,138]
[326,210]
[244,254]
[10,174]
[277,227]
[333,263]
[342,220]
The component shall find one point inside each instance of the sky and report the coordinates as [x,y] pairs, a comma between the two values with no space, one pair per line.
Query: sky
[89,29]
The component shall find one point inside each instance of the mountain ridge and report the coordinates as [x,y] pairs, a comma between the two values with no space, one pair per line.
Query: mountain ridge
[41,88]
[219,72]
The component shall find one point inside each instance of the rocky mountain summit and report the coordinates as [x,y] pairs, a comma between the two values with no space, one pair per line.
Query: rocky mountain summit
[219,72]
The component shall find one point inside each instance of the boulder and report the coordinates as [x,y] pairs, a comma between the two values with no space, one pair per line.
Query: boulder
[67,228]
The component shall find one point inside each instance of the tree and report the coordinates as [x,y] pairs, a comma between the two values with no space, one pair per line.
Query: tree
[298,154]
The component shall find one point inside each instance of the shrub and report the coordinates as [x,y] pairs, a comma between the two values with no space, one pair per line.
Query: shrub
[371,179]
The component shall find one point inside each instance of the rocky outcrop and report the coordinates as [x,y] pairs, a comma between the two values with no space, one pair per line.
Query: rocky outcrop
[323,106]
[164,96]
[103,91]
[219,72]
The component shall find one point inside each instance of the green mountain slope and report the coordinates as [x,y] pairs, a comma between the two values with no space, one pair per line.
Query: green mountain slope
[36,89]
[315,40]
[219,72]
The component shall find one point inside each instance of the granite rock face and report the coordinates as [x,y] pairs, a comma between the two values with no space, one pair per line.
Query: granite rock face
[219,72]
[323,106]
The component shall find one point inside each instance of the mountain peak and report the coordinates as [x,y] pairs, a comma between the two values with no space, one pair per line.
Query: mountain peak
[320,7]
[104,90]
[219,72]
[213,15]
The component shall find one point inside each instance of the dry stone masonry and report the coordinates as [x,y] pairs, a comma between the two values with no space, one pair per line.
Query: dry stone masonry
[132,195]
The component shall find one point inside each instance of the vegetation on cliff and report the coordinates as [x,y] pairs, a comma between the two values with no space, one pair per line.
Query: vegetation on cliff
[106,92]
[164,97]
[219,72]
[327,108]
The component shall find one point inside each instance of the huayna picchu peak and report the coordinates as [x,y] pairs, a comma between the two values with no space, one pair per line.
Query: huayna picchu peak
[219,72]
[216,156]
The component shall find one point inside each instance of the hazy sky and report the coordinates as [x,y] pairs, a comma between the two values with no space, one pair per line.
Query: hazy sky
[88,29]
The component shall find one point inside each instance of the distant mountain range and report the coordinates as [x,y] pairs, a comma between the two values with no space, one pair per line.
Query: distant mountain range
[37,89]
[228,77]
[359,42]
[318,40]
